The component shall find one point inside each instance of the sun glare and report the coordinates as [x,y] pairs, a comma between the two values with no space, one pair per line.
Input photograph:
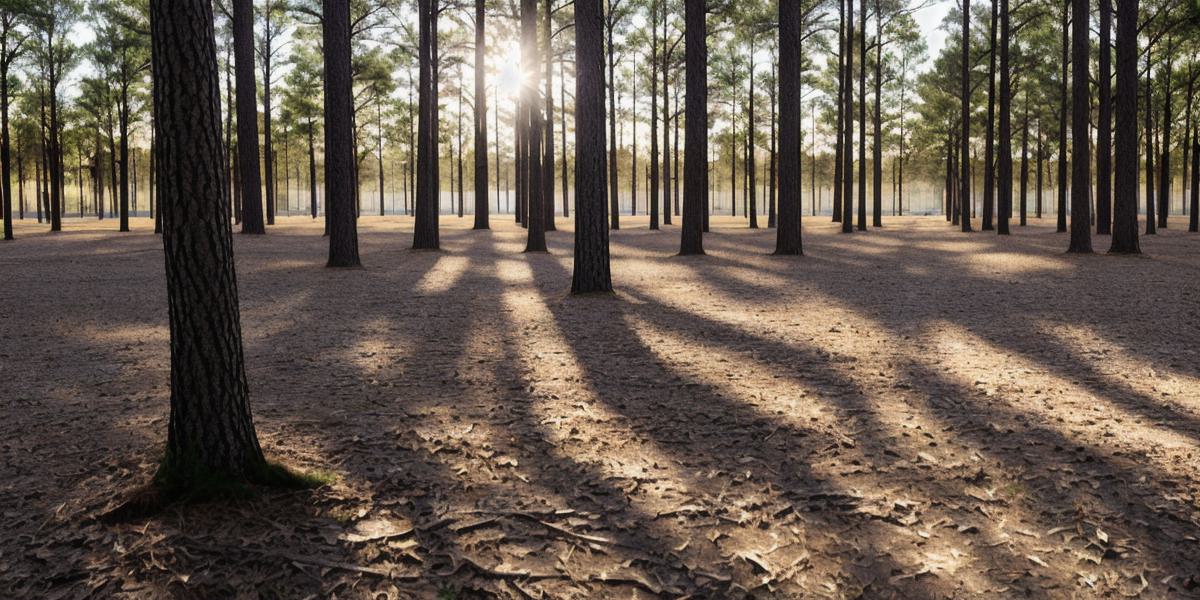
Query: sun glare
[509,76]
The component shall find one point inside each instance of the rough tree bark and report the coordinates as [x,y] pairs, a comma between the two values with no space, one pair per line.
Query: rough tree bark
[211,432]
[247,117]
[534,129]
[1004,203]
[1081,163]
[591,271]
[425,228]
[339,147]
[1125,135]
[788,231]
[695,160]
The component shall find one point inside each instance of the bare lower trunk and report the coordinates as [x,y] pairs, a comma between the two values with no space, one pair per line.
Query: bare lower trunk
[211,433]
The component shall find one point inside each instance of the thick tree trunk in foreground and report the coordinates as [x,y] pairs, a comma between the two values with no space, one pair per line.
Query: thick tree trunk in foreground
[211,433]
[591,272]
[1125,135]
[788,232]
[695,160]
[247,117]
[1081,164]
[339,146]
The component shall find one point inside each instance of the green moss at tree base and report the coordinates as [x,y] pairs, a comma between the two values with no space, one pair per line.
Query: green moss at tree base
[187,482]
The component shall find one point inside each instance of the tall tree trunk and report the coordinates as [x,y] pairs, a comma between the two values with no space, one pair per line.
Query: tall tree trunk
[312,172]
[862,117]
[459,144]
[666,121]
[633,170]
[54,159]
[653,198]
[534,128]
[481,131]
[964,199]
[877,148]
[5,155]
[788,234]
[548,150]
[1081,163]
[562,95]
[425,233]
[339,146]
[1004,205]
[1164,180]
[211,434]
[695,166]
[379,156]
[1148,134]
[1125,135]
[591,270]
[247,117]
[1194,208]
[848,119]
[774,158]
[1040,181]
[989,160]
[751,169]
[1104,192]
[1064,98]
[269,174]
[613,183]
[838,148]
[1024,217]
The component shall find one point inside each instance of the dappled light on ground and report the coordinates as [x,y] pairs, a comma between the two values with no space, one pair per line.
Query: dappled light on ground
[910,412]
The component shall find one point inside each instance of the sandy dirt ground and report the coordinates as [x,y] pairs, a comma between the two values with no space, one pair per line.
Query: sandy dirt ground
[909,413]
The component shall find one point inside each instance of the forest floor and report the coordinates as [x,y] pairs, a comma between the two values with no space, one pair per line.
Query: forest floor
[911,413]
